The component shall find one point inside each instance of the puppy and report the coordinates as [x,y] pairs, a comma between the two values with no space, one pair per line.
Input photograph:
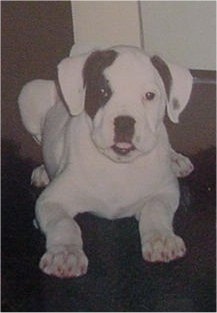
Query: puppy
[106,151]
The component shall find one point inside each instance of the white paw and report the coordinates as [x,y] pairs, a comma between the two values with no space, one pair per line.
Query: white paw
[64,262]
[181,165]
[39,177]
[163,248]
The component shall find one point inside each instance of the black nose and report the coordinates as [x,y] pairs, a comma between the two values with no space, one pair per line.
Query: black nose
[124,123]
[124,128]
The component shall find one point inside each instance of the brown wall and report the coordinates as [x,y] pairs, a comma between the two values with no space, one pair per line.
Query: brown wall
[36,35]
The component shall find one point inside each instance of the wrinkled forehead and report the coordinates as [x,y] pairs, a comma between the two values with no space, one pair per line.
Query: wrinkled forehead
[130,70]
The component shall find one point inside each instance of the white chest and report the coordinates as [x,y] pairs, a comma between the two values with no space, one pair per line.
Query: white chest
[113,189]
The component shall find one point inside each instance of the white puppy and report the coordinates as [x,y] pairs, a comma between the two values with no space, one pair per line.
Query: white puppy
[106,151]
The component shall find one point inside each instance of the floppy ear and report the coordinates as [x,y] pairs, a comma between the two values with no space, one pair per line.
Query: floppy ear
[71,83]
[178,85]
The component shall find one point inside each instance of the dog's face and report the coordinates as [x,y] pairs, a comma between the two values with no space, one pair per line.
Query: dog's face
[125,102]
[123,94]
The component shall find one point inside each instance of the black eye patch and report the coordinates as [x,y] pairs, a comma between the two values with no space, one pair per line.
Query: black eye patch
[98,90]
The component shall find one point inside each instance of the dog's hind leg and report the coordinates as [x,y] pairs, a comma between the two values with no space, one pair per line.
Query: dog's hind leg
[40,177]
[35,100]
[181,165]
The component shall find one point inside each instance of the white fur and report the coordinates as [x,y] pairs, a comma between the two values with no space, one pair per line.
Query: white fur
[35,100]
[87,175]
[39,177]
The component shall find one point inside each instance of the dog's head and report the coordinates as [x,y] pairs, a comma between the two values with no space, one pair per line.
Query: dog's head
[123,94]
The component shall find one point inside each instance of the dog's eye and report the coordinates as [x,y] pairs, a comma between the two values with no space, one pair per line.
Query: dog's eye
[150,95]
[104,93]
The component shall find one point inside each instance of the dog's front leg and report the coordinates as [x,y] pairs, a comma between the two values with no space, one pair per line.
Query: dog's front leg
[64,257]
[159,243]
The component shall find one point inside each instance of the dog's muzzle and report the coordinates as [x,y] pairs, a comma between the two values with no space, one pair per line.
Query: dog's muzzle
[124,127]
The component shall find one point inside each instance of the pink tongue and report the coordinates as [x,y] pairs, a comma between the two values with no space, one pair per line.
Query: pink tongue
[123,145]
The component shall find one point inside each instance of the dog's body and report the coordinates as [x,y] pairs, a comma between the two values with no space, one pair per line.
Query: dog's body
[106,151]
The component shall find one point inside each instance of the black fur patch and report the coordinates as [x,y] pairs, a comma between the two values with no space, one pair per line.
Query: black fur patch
[164,73]
[98,91]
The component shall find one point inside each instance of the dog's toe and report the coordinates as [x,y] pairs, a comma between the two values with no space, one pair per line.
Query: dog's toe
[64,262]
[160,248]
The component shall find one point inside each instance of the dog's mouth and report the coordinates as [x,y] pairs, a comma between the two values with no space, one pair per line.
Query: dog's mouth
[123,148]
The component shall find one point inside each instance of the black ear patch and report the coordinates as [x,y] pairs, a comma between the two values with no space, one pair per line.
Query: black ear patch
[164,73]
[98,91]
[176,104]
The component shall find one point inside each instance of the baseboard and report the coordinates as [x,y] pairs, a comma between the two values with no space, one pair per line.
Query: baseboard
[204,76]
